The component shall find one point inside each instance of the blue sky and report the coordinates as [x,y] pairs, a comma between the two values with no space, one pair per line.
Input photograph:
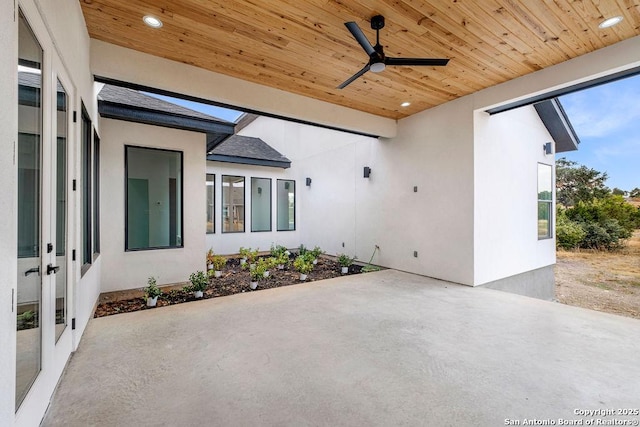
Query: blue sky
[607,121]
[219,112]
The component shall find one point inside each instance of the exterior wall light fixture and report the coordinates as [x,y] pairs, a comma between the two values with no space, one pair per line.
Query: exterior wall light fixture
[367,171]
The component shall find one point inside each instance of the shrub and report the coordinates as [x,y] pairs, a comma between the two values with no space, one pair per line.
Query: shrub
[199,282]
[345,260]
[152,290]
[607,235]
[569,233]
[303,264]
[218,262]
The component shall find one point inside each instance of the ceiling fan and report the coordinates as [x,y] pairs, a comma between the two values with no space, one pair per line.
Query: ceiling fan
[377,60]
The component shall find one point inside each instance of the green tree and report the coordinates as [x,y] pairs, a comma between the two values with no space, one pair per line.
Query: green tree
[618,192]
[576,183]
[635,193]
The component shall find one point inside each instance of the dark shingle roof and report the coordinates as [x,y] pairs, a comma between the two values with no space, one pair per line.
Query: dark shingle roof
[133,98]
[248,150]
[121,103]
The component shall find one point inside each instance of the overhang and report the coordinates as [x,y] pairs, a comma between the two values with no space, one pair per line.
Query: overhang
[557,123]
[121,103]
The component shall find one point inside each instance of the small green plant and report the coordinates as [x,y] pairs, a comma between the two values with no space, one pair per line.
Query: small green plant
[152,290]
[271,262]
[210,256]
[316,252]
[303,264]
[345,260]
[244,252]
[218,262]
[283,260]
[199,282]
[278,250]
[252,256]
[302,251]
[258,271]
[370,267]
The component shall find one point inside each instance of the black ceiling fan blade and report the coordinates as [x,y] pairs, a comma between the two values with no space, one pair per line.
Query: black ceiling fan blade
[355,76]
[357,33]
[435,62]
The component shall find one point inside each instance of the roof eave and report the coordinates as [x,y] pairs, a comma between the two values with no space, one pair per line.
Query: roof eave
[112,110]
[557,123]
[249,161]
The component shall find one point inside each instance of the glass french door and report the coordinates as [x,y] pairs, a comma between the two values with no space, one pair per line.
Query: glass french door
[43,339]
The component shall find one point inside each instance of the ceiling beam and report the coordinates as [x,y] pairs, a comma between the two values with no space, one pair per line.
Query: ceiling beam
[617,58]
[118,63]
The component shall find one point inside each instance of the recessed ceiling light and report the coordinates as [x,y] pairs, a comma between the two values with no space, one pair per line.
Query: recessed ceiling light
[610,22]
[405,104]
[152,21]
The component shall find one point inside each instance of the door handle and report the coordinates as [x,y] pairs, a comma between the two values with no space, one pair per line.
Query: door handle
[52,269]
[32,270]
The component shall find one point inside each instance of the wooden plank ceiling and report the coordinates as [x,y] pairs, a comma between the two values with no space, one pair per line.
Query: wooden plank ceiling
[302,46]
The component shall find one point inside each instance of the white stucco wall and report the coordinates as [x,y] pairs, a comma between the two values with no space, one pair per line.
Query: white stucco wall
[341,206]
[508,148]
[229,243]
[126,270]
[433,151]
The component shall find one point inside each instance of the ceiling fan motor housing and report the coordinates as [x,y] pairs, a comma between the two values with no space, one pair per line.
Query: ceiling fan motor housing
[377,22]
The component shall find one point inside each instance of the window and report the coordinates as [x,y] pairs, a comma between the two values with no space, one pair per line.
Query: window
[86,188]
[153,198]
[260,204]
[96,193]
[211,203]
[286,193]
[545,193]
[232,204]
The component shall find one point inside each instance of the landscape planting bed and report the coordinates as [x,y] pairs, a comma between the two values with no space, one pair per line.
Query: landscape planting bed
[234,280]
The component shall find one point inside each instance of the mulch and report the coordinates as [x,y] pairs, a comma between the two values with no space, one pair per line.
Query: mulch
[234,280]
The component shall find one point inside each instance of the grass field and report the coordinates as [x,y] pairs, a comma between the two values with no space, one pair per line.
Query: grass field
[603,281]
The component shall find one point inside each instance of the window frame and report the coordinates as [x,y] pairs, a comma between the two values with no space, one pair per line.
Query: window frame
[126,199]
[547,202]
[270,205]
[86,165]
[295,203]
[96,195]
[244,204]
[213,198]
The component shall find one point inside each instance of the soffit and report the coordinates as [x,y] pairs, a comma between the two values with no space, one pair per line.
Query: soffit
[303,46]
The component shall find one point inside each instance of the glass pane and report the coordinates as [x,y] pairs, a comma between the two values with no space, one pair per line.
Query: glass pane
[545,186]
[28,345]
[544,220]
[211,197]
[260,204]
[96,193]
[61,211]
[232,204]
[154,198]
[286,192]
[86,188]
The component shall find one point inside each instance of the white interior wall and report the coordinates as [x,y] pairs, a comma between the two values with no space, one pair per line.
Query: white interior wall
[8,243]
[127,270]
[508,148]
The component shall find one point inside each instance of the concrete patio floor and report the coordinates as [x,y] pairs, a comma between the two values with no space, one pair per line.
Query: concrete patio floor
[380,349]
